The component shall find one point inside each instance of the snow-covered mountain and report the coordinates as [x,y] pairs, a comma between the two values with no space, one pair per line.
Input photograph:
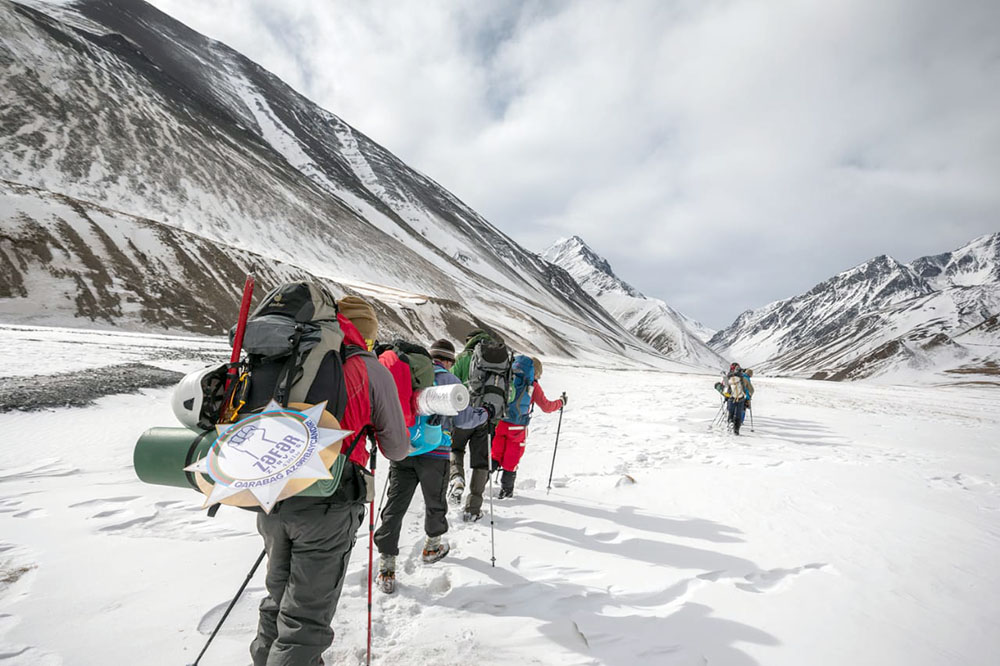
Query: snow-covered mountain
[650,319]
[880,319]
[129,138]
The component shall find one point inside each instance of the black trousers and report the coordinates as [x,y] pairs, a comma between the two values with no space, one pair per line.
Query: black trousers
[478,441]
[431,474]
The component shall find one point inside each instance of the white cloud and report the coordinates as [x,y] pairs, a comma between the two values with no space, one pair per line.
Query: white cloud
[721,154]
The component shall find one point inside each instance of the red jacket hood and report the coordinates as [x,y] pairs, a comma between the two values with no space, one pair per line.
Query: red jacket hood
[352,336]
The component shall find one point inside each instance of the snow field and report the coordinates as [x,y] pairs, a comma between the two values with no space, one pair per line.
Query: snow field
[858,524]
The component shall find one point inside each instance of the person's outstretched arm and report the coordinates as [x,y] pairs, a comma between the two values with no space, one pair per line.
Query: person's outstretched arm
[546,405]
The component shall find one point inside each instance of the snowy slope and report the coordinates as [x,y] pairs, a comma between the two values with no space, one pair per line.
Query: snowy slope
[880,319]
[649,319]
[118,106]
[843,530]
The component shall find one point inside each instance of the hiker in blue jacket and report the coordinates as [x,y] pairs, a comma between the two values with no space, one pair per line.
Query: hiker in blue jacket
[428,470]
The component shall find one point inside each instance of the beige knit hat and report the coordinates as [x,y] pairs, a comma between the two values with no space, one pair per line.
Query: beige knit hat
[361,314]
[538,366]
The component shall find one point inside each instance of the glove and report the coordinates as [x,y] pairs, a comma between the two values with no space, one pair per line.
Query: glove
[491,411]
[564,400]
[494,465]
[748,403]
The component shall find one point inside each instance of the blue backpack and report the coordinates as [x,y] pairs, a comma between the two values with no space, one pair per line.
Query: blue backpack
[427,434]
[519,405]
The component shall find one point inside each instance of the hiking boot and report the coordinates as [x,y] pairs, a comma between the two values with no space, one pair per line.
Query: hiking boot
[471,516]
[505,493]
[386,581]
[455,490]
[434,550]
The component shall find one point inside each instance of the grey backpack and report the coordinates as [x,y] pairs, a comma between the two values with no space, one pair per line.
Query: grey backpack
[292,333]
[489,376]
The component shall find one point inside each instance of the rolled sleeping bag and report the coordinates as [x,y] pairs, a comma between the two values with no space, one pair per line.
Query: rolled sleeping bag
[447,400]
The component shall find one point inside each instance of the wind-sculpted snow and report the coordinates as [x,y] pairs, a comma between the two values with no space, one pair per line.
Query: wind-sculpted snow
[117,106]
[880,319]
[649,319]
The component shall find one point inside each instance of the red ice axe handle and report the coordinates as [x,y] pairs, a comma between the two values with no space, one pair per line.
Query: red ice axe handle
[241,326]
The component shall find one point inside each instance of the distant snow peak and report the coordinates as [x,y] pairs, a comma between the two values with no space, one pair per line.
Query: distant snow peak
[651,320]
[580,261]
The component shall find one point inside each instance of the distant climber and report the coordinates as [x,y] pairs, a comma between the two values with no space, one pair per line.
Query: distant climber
[737,390]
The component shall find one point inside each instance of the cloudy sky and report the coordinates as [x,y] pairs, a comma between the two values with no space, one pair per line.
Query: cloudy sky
[721,154]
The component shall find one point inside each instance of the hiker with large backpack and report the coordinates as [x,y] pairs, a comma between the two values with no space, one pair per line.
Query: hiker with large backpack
[484,367]
[429,470]
[303,347]
[737,391]
[512,430]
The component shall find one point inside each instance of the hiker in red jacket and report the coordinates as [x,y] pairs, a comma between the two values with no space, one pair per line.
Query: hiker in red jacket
[512,430]
[309,539]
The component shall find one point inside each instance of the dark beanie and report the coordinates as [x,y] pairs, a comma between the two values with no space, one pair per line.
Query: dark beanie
[443,350]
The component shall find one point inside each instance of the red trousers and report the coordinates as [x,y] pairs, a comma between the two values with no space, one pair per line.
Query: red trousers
[508,445]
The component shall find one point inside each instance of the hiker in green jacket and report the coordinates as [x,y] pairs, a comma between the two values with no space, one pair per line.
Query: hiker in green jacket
[478,438]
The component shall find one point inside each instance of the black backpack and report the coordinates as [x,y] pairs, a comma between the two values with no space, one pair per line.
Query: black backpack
[295,350]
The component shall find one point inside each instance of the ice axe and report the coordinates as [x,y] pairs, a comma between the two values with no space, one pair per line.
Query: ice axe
[556,447]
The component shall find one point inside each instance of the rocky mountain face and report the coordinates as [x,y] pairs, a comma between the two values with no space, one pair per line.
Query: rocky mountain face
[882,318]
[146,167]
[649,319]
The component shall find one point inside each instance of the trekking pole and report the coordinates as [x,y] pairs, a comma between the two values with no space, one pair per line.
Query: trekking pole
[718,416]
[751,418]
[556,447]
[381,501]
[493,550]
[371,549]
[260,558]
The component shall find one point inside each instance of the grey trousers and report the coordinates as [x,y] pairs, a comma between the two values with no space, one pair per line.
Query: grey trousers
[431,474]
[308,544]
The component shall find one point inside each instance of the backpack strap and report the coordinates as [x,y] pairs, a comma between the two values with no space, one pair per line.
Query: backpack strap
[367,431]
[290,369]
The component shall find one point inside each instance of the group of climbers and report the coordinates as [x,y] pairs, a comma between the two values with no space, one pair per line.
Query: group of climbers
[303,347]
[503,388]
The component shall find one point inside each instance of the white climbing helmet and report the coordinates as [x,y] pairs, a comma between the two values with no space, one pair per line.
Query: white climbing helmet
[198,394]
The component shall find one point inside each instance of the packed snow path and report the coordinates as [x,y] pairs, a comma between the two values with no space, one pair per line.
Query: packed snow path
[856,525]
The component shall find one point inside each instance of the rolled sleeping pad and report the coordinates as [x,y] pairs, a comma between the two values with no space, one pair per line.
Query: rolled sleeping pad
[161,454]
[447,400]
